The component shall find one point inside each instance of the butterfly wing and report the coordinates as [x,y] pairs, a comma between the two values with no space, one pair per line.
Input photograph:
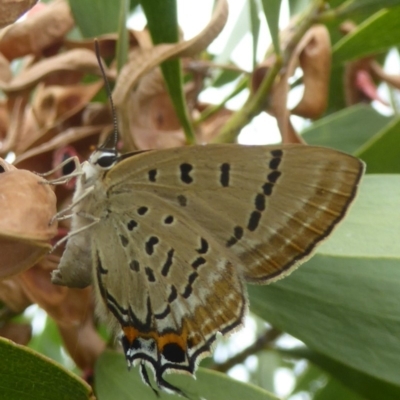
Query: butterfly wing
[186,226]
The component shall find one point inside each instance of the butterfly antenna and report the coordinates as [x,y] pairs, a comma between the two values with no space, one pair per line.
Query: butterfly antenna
[114,135]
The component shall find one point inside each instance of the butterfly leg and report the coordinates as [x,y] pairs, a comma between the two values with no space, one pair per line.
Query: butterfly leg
[64,179]
[80,230]
[59,216]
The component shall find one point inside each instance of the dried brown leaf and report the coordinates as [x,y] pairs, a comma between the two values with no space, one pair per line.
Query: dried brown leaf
[314,42]
[78,60]
[315,61]
[13,295]
[38,32]
[18,333]
[11,10]
[26,208]
[83,343]
[53,104]
[66,306]
[142,61]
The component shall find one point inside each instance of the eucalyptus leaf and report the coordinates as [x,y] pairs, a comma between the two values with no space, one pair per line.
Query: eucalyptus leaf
[345,301]
[27,375]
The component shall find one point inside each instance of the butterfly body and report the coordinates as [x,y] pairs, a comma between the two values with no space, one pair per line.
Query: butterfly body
[169,238]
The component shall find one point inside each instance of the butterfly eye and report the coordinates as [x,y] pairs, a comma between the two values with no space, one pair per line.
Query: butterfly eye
[106,160]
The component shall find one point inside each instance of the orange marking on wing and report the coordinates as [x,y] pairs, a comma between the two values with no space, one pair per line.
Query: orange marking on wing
[132,334]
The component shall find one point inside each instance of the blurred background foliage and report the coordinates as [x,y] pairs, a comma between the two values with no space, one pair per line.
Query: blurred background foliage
[298,71]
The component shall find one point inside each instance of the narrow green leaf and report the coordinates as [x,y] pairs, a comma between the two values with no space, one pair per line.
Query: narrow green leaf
[381,152]
[363,384]
[345,301]
[272,9]
[95,18]
[123,39]
[353,6]
[255,27]
[113,381]
[346,130]
[27,375]
[162,22]
[377,33]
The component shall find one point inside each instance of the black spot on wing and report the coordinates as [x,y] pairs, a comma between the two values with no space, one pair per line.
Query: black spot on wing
[267,188]
[277,153]
[169,220]
[150,274]
[254,220]
[163,313]
[198,262]
[173,294]
[185,173]
[131,225]
[124,240]
[260,202]
[142,210]
[150,244]
[203,246]
[274,163]
[182,200]
[152,175]
[174,353]
[134,265]
[168,262]
[224,178]
[273,176]
[237,235]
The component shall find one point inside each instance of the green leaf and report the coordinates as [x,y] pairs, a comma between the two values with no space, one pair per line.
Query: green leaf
[27,375]
[363,384]
[346,130]
[334,390]
[271,11]
[95,18]
[255,27]
[162,22]
[113,381]
[345,301]
[377,33]
[381,152]
[123,39]
[353,6]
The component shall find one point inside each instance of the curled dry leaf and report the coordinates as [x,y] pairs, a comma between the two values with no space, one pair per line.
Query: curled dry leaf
[53,104]
[83,137]
[38,32]
[315,61]
[153,121]
[83,343]
[78,60]
[12,294]
[26,208]
[142,61]
[312,53]
[107,42]
[66,306]
[5,70]
[72,309]
[18,333]
[11,10]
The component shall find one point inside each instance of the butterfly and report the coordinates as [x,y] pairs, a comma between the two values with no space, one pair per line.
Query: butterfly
[169,238]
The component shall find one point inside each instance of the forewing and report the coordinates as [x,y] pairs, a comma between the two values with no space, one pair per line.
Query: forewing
[267,206]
